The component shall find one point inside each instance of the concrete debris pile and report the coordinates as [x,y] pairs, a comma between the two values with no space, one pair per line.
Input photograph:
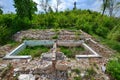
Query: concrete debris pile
[52,66]
[99,48]
[47,35]
[26,77]
[5,49]
[61,65]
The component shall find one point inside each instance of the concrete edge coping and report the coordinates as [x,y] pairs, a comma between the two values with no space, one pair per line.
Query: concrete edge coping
[94,55]
[18,57]
[11,56]
[11,53]
[88,56]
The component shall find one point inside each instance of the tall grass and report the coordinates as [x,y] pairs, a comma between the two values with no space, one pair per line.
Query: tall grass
[34,51]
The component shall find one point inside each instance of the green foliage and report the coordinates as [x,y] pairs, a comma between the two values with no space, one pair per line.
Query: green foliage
[7,19]
[77,35]
[113,68]
[1,11]
[25,8]
[115,33]
[21,24]
[88,21]
[78,78]
[112,44]
[4,34]
[55,37]
[102,31]
[9,25]
[76,70]
[90,73]
[71,51]
[34,51]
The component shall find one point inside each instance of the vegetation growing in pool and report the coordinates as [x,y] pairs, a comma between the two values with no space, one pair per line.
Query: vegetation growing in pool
[71,51]
[35,51]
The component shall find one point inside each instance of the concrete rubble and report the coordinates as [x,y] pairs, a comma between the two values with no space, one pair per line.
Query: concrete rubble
[26,77]
[45,35]
[54,65]
[47,67]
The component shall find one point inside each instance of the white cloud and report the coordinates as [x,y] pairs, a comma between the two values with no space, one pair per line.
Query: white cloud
[96,6]
[7,6]
[66,4]
[91,4]
[38,5]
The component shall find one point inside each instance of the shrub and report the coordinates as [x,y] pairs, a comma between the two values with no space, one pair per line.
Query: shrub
[113,68]
[70,52]
[115,34]
[78,78]
[113,44]
[35,51]
[76,71]
[55,37]
[90,71]
[4,34]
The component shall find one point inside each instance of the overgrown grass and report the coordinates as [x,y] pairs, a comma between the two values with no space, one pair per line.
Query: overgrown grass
[77,71]
[35,51]
[78,78]
[113,68]
[113,44]
[71,51]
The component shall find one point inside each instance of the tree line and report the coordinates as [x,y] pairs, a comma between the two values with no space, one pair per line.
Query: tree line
[89,21]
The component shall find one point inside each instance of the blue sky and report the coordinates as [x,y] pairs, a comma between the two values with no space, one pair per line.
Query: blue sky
[94,5]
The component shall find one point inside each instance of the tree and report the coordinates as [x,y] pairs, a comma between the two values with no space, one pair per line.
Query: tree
[74,8]
[45,5]
[117,8]
[112,6]
[1,10]
[25,8]
[104,6]
[58,2]
[50,9]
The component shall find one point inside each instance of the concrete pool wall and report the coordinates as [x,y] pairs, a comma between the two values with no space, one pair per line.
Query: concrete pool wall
[13,54]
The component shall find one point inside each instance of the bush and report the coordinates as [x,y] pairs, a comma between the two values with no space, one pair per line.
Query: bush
[21,24]
[78,78]
[91,71]
[113,68]
[4,35]
[77,71]
[55,37]
[115,34]
[10,24]
[35,51]
[70,52]
[113,44]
